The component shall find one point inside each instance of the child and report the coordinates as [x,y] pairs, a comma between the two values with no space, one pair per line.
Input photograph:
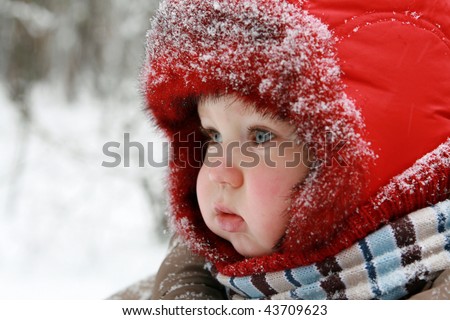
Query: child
[310,145]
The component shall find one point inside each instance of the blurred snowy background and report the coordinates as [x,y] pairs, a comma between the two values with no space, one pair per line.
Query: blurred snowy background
[70,227]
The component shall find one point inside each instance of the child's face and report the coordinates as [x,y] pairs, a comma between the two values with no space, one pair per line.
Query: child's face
[244,190]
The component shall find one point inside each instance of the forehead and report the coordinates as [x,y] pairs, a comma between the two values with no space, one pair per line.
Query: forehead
[231,109]
[226,101]
[230,103]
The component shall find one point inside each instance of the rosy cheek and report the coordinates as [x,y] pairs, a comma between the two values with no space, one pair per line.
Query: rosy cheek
[265,185]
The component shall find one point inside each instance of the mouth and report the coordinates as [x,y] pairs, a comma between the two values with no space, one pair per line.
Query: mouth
[228,220]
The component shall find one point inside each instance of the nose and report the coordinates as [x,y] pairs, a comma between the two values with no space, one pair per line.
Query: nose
[225,170]
[226,175]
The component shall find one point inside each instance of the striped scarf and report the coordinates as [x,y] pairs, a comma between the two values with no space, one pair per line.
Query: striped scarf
[394,262]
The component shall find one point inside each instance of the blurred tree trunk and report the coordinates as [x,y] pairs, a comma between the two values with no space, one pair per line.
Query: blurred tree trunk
[27,63]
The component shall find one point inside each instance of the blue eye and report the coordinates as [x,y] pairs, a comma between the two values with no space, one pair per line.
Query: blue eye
[211,135]
[262,136]
[216,137]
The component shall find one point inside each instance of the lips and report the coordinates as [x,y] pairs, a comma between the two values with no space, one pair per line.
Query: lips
[228,220]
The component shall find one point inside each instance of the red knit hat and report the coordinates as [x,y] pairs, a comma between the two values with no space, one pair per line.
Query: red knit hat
[332,69]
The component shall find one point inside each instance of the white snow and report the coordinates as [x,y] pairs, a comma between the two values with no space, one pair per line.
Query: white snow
[70,228]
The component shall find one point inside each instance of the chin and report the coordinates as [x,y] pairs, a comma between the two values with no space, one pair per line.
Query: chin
[241,249]
[251,252]
[244,247]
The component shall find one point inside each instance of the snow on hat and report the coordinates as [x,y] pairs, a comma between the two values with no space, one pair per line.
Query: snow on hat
[336,72]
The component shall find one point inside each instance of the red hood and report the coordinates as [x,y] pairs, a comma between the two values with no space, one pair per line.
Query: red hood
[375,73]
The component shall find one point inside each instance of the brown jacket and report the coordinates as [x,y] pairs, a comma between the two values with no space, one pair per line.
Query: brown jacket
[182,276]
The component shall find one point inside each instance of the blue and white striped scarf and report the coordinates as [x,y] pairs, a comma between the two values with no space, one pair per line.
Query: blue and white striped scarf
[391,263]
